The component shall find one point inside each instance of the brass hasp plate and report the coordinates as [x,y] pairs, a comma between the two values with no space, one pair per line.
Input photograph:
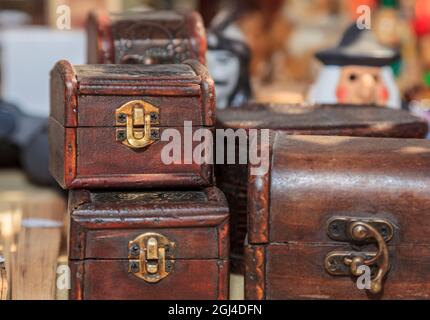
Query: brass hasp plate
[138,117]
[151,257]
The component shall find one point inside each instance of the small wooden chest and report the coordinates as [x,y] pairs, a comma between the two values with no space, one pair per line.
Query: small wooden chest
[149,245]
[341,120]
[340,218]
[146,37]
[107,122]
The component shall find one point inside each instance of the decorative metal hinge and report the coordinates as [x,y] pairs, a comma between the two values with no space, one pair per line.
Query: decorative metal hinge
[151,257]
[138,117]
[338,227]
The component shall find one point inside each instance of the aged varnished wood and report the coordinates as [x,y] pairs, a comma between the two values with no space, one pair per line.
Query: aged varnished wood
[102,224]
[339,120]
[315,178]
[148,37]
[255,271]
[175,287]
[84,152]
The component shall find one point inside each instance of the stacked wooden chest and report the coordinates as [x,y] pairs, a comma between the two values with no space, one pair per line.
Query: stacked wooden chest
[140,228]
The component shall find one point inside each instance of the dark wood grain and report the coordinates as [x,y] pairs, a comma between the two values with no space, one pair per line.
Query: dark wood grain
[224,279]
[208,91]
[345,120]
[151,37]
[336,120]
[77,273]
[103,223]
[255,272]
[96,145]
[258,205]
[105,106]
[84,149]
[57,152]
[223,240]
[63,94]
[296,271]
[113,243]
[316,178]
[62,152]
[190,280]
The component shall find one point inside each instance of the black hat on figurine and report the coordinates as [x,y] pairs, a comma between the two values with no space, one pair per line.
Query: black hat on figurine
[359,47]
[358,71]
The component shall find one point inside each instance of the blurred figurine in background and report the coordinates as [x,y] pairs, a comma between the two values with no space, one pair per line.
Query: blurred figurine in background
[421,25]
[418,97]
[357,71]
[392,28]
[228,59]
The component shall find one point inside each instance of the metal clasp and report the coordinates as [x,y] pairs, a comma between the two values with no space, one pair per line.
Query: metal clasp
[138,117]
[349,262]
[150,257]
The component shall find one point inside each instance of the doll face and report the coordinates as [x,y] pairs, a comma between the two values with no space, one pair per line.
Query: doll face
[224,67]
[361,85]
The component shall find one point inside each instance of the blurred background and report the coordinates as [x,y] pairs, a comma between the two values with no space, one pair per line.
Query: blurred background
[282,36]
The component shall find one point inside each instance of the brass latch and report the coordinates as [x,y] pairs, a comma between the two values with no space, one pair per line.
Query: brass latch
[150,257]
[138,117]
[360,231]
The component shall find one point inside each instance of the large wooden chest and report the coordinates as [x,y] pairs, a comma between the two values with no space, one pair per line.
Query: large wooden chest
[146,37]
[340,218]
[342,120]
[107,123]
[149,245]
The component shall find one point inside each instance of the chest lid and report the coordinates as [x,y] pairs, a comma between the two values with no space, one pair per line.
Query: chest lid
[112,225]
[91,95]
[145,37]
[353,120]
[187,208]
[158,25]
[314,181]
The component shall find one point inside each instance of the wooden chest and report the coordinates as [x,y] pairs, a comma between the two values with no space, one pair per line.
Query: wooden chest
[107,123]
[340,218]
[147,37]
[149,245]
[339,120]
